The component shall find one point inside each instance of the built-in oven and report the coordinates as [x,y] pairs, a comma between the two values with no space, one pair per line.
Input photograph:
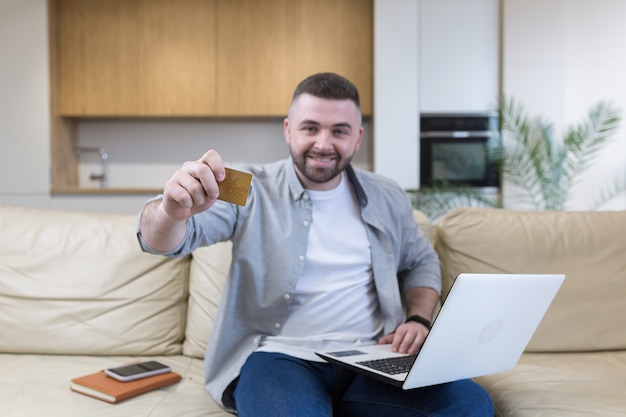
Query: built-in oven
[454,149]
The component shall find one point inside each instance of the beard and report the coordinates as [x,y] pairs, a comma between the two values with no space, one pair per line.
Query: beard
[319,175]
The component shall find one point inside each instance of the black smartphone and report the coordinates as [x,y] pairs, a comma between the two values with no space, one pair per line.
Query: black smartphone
[137,370]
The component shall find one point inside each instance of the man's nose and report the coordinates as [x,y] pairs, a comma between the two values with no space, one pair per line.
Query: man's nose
[324,140]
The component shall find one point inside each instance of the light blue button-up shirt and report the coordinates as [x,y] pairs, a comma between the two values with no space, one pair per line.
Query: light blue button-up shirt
[270,237]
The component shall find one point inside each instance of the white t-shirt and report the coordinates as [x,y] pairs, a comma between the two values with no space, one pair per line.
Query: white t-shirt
[335,303]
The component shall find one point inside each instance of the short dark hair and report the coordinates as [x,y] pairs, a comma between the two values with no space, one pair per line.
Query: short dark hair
[328,85]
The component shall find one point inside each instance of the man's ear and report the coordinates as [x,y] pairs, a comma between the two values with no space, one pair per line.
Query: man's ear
[286,130]
[359,140]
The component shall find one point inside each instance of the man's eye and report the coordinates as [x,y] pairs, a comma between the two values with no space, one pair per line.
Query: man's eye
[310,129]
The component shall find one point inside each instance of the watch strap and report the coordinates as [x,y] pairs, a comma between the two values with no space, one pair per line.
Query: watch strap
[421,320]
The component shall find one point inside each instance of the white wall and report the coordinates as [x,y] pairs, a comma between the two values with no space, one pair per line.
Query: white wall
[396,100]
[561,57]
[24,101]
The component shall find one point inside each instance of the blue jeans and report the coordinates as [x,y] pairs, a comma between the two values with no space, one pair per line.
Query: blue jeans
[277,385]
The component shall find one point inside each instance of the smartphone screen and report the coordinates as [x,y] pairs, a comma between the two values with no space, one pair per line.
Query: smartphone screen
[137,370]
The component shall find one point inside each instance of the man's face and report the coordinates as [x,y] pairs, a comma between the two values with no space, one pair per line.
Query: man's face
[323,136]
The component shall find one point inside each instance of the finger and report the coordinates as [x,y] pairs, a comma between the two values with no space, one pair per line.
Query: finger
[404,344]
[214,161]
[413,340]
[199,180]
[398,338]
[415,347]
[177,195]
[186,191]
[411,347]
[385,340]
[200,183]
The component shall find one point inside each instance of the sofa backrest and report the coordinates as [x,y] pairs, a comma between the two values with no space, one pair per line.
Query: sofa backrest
[589,247]
[426,226]
[207,277]
[77,283]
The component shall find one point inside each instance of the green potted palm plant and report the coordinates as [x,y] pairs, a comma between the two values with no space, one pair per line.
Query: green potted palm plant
[543,167]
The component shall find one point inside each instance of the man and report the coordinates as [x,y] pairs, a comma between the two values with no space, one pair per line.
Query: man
[324,256]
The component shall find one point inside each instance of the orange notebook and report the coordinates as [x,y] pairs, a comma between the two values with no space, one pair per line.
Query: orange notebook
[99,385]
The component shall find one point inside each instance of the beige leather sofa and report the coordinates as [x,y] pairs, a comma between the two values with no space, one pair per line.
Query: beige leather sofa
[77,295]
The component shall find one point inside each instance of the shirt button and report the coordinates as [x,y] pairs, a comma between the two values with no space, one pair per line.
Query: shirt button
[287,297]
[305,223]
[277,325]
[301,258]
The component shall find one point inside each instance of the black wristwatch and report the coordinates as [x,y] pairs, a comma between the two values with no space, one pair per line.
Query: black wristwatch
[421,320]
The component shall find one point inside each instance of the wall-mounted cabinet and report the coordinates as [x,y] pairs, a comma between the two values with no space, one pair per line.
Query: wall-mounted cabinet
[265,48]
[204,57]
[136,57]
[459,56]
[194,58]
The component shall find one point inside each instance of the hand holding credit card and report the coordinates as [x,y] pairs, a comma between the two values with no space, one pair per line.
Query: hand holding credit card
[235,186]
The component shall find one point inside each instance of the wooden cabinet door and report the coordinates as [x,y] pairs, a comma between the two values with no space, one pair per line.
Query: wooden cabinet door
[266,48]
[95,46]
[136,57]
[176,58]
[336,36]
[254,57]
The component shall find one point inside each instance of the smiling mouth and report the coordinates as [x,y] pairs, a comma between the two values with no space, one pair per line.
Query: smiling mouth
[322,158]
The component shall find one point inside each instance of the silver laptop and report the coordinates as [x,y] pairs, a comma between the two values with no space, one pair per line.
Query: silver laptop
[483,328]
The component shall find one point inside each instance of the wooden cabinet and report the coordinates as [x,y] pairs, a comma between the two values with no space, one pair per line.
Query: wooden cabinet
[94,40]
[336,36]
[266,48]
[255,57]
[177,57]
[136,57]
[205,57]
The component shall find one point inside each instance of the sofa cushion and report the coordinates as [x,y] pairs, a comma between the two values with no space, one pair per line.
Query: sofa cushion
[38,385]
[589,311]
[425,226]
[555,385]
[207,276]
[77,283]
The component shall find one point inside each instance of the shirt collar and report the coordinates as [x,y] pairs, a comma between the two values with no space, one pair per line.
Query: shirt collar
[358,189]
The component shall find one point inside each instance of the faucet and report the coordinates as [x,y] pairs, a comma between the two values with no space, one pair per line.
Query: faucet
[104,156]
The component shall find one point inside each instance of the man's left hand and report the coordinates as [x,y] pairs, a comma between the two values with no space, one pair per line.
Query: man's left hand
[408,338]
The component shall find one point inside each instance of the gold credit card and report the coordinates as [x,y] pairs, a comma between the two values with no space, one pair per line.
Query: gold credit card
[235,186]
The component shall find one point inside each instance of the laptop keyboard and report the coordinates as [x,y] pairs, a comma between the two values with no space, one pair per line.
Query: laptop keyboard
[391,366]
